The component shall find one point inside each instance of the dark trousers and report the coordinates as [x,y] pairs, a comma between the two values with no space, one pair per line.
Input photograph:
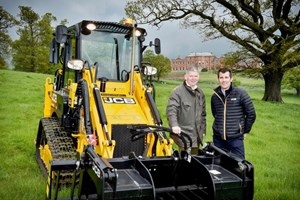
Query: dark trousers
[235,145]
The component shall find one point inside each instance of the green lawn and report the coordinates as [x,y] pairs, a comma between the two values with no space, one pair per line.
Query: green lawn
[273,146]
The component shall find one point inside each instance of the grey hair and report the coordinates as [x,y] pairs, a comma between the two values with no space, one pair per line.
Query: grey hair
[192,69]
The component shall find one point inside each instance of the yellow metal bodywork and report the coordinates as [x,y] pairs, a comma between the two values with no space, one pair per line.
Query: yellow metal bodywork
[48,98]
[120,108]
[46,155]
[73,87]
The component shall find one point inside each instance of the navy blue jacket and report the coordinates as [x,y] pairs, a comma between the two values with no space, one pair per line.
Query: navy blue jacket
[234,113]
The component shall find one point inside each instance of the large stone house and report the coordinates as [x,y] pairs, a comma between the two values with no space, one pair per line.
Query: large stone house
[200,60]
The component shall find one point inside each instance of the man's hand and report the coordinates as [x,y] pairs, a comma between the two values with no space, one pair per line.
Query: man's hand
[176,129]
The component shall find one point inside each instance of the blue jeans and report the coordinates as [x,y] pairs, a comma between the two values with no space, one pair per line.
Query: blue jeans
[234,146]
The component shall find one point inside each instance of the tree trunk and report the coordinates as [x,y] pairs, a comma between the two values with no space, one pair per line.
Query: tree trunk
[273,85]
[298,92]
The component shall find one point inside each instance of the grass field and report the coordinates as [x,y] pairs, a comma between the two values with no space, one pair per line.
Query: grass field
[273,146]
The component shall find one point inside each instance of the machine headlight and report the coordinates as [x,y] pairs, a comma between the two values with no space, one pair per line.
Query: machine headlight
[91,26]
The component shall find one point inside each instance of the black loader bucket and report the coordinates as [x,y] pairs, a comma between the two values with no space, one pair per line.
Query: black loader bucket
[213,174]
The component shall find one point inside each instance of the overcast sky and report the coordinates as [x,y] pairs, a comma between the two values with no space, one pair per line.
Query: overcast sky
[175,41]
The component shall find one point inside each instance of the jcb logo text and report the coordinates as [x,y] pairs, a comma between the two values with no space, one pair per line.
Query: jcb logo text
[118,100]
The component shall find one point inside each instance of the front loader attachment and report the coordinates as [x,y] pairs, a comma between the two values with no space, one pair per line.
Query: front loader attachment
[209,175]
[118,178]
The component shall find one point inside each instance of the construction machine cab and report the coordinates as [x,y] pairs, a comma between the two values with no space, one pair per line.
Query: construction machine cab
[109,47]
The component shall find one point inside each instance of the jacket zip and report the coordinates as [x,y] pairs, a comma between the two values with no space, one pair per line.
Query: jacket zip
[225,108]
[195,113]
[224,114]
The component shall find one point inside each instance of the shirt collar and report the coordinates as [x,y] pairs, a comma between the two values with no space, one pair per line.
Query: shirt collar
[193,88]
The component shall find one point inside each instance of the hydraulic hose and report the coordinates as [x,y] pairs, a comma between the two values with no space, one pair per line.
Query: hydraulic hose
[101,111]
[153,108]
[86,106]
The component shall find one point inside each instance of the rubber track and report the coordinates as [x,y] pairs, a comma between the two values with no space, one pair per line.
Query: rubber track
[60,144]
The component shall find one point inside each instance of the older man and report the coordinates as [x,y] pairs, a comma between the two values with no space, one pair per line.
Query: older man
[186,110]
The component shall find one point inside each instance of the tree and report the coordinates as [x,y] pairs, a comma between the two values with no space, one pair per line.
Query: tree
[162,64]
[45,36]
[268,29]
[243,61]
[31,50]
[232,59]
[6,21]
[239,59]
[291,79]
